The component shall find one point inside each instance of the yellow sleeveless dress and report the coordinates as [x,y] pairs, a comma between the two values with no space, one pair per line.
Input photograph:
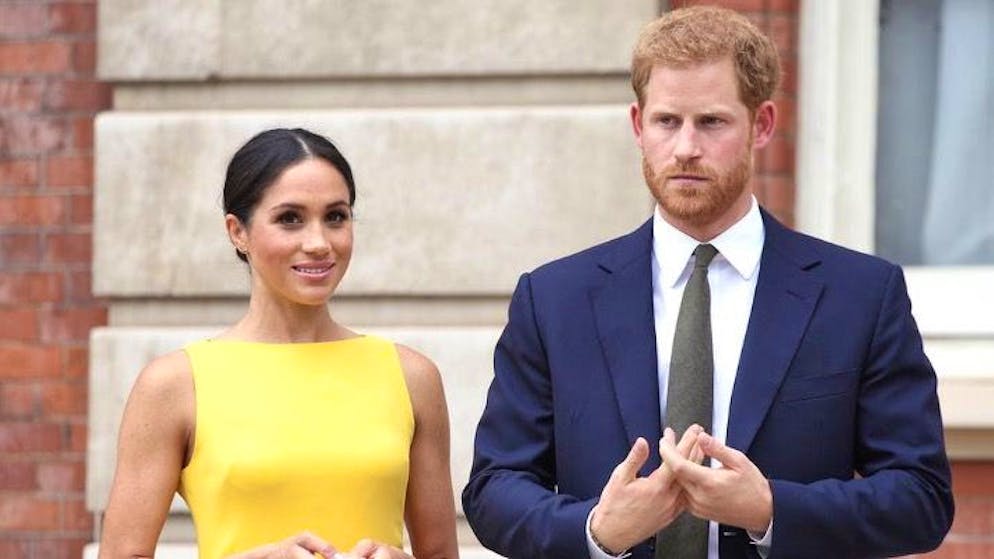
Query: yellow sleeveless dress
[298,436]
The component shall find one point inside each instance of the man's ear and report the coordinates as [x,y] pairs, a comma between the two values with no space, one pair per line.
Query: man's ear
[763,124]
[635,113]
[236,233]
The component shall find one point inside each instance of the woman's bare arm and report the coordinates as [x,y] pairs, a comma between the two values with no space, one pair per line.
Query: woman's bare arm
[155,434]
[430,512]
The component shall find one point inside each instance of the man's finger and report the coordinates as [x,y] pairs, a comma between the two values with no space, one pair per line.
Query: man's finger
[696,454]
[663,471]
[689,439]
[682,467]
[629,467]
[727,455]
[669,436]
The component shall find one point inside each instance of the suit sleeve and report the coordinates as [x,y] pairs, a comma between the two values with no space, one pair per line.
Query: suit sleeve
[510,500]
[901,501]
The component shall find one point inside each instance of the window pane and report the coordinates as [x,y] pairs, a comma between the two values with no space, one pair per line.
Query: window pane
[935,148]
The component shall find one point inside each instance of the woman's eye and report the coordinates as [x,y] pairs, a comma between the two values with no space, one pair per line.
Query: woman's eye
[337,216]
[288,218]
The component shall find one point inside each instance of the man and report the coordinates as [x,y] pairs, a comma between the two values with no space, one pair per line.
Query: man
[780,378]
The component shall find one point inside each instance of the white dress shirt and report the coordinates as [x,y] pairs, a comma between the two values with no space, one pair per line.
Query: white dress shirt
[732,279]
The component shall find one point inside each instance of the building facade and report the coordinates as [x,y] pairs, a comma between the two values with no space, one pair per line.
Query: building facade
[484,142]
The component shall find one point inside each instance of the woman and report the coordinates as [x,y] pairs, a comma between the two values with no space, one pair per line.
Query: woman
[288,434]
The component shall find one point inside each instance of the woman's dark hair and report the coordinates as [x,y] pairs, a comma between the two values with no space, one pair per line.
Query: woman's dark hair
[258,163]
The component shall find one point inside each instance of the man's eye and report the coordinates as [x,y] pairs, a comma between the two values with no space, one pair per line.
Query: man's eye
[711,121]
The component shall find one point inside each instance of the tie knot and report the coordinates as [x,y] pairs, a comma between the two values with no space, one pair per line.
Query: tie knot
[704,254]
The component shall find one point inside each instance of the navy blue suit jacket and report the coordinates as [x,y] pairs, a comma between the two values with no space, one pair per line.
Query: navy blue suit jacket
[834,401]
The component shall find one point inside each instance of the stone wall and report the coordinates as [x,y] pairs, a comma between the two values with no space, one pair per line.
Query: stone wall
[484,142]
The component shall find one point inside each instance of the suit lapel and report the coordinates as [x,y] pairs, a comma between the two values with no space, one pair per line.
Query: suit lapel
[623,314]
[786,296]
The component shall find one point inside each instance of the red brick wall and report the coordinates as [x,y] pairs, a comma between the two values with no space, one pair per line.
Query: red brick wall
[972,536]
[48,98]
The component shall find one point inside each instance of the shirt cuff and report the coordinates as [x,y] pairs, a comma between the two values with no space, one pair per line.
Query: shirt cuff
[762,544]
[595,550]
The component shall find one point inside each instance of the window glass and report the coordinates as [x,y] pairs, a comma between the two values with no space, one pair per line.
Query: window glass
[935,143]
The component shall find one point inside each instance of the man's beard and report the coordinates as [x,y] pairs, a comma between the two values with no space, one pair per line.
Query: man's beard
[702,203]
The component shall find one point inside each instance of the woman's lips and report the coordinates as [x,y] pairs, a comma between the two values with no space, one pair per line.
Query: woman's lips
[315,270]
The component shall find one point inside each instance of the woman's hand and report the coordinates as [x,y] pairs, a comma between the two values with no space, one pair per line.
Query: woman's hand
[301,546]
[368,549]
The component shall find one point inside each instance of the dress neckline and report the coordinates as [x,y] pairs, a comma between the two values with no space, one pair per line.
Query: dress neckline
[286,344]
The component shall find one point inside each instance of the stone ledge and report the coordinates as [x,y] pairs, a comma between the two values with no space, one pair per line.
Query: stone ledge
[450,201]
[322,95]
[370,311]
[965,367]
[969,444]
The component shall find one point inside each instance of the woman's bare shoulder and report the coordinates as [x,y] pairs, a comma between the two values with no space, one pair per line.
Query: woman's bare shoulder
[167,379]
[424,381]
[415,362]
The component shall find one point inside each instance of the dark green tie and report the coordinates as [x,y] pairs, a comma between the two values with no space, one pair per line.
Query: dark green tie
[689,395]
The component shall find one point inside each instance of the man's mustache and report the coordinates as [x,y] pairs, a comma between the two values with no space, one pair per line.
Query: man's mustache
[694,170]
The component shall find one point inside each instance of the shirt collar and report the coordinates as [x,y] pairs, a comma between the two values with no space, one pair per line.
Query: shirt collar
[741,245]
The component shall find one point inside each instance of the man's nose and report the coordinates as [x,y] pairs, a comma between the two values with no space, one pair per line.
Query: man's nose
[687,146]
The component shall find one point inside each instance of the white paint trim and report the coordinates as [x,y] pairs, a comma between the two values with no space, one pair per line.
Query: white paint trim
[966,403]
[963,360]
[836,151]
[954,302]
[837,113]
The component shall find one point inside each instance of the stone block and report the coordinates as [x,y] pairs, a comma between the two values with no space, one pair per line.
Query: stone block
[136,40]
[450,201]
[258,39]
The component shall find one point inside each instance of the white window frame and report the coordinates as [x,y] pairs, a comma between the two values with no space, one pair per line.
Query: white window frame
[836,150]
